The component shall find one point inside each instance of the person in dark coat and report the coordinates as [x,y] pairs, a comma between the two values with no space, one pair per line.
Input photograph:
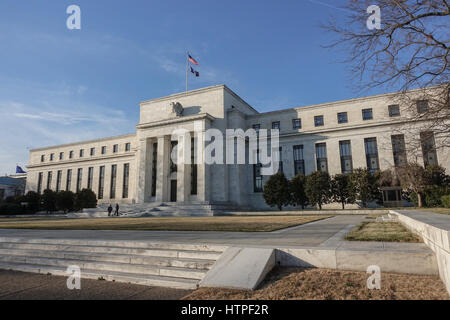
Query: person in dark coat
[110,208]
[117,209]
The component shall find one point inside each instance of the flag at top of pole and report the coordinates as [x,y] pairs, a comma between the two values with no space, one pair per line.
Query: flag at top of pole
[190,59]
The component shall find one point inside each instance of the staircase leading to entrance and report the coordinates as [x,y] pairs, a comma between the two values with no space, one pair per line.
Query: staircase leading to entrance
[155,264]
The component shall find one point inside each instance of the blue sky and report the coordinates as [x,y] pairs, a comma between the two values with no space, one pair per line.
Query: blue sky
[60,86]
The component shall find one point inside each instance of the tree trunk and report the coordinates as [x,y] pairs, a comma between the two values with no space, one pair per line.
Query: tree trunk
[343,205]
[320,206]
[280,208]
[419,200]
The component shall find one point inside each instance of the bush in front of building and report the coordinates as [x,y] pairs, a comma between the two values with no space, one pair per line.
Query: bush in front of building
[48,200]
[10,209]
[297,191]
[342,190]
[65,201]
[276,191]
[33,201]
[446,201]
[364,186]
[85,198]
[318,188]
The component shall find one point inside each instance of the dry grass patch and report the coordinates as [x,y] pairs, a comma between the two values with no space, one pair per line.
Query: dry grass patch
[250,224]
[326,284]
[382,231]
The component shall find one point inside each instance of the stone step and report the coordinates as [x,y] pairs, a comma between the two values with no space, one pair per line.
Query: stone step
[148,280]
[199,264]
[153,252]
[108,266]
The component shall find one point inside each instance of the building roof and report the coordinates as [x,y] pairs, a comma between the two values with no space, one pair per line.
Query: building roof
[14,182]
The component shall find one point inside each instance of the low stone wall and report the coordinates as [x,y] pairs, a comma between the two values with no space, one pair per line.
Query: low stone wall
[436,236]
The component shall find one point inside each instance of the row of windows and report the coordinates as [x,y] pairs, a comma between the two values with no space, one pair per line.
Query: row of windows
[91,152]
[79,180]
[345,151]
[342,117]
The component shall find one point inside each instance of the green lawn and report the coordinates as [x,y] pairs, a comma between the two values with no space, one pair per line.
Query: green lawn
[381,231]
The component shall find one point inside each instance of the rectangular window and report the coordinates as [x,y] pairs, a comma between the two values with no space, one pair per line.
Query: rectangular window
[126,176]
[256,127]
[103,149]
[367,114]
[276,125]
[69,180]
[101,182]
[342,117]
[92,152]
[194,168]
[370,145]
[49,180]
[61,155]
[280,160]
[296,124]
[112,191]
[321,157]
[399,150]
[394,110]
[127,146]
[58,180]
[70,154]
[115,148]
[345,150]
[39,186]
[154,164]
[318,121]
[81,153]
[52,155]
[422,106]
[42,158]
[257,176]
[299,162]
[428,148]
[90,177]
[79,179]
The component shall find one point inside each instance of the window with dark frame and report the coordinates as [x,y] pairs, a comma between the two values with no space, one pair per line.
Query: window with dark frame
[70,154]
[342,117]
[69,179]
[81,153]
[193,167]
[61,155]
[394,110]
[112,191]
[101,182]
[422,106]
[39,186]
[92,152]
[103,149]
[154,164]
[52,155]
[399,150]
[371,148]
[428,148]
[126,178]
[318,121]
[276,125]
[367,114]
[256,127]
[345,151]
[42,158]
[115,148]
[90,177]
[257,176]
[79,179]
[58,180]
[299,162]
[296,124]
[127,146]
[49,180]
[321,157]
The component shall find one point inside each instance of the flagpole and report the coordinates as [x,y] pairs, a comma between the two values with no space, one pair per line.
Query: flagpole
[187,67]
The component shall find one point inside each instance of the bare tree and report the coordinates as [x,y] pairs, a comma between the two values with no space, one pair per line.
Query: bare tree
[410,50]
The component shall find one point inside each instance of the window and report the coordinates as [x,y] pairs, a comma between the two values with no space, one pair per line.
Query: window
[370,145]
[69,179]
[398,150]
[194,169]
[154,164]
[318,121]
[79,179]
[394,110]
[81,153]
[70,154]
[127,146]
[101,182]
[126,175]
[39,186]
[296,124]
[367,114]
[257,176]
[299,163]
[90,177]
[115,148]
[61,155]
[112,192]
[280,160]
[342,117]
[42,158]
[345,150]
[422,106]
[92,152]
[256,127]
[103,149]
[49,180]
[321,157]
[276,125]
[58,180]
[52,155]
[428,148]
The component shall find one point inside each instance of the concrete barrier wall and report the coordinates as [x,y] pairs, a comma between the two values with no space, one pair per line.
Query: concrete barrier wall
[438,239]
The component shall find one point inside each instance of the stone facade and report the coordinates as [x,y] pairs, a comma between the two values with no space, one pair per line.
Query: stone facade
[305,134]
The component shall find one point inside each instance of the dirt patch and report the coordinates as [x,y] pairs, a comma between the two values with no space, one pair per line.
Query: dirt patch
[381,231]
[327,284]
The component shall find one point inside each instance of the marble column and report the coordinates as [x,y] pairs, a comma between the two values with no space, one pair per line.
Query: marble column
[184,169]
[162,171]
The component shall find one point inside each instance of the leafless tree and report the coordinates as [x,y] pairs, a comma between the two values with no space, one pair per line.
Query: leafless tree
[409,51]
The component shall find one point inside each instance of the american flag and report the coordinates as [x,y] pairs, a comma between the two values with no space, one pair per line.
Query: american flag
[192,60]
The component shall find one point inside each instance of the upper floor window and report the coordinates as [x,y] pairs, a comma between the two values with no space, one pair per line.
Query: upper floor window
[115,148]
[61,155]
[42,158]
[81,153]
[276,125]
[296,124]
[422,106]
[318,121]
[342,117]
[127,146]
[70,154]
[256,127]
[92,152]
[103,149]
[367,114]
[52,156]
[394,110]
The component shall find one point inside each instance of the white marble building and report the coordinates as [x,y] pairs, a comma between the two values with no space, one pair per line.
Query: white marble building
[136,168]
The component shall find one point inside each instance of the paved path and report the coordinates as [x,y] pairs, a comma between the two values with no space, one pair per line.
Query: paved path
[441,221]
[310,234]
